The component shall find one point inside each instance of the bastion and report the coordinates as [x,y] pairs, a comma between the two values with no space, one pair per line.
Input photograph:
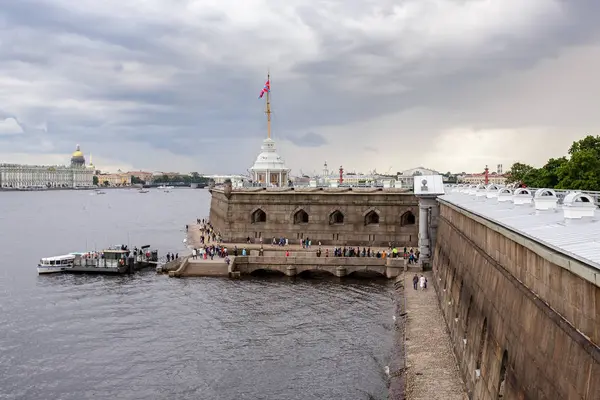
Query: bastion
[333,216]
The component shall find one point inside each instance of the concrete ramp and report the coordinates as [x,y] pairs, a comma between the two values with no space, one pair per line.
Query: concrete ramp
[200,267]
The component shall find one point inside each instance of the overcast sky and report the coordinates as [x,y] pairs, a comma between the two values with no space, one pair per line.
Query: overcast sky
[367,84]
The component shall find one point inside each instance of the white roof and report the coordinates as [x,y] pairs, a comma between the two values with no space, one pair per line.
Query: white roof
[268,159]
[429,185]
[59,258]
[577,239]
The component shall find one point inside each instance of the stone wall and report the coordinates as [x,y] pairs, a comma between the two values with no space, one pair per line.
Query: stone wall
[514,316]
[234,215]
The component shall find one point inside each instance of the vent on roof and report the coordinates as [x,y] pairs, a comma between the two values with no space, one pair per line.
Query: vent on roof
[480,191]
[472,189]
[522,196]
[578,205]
[505,194]
[545,199]
[491,191]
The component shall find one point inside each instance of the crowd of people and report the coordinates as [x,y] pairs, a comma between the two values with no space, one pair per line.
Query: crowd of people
[211,246]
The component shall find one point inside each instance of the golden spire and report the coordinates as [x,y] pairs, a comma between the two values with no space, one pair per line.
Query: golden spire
[268,108]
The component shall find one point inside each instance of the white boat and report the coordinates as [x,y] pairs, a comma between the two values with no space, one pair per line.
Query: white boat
[143,191]
[51,265]
[98,191]
[165,188]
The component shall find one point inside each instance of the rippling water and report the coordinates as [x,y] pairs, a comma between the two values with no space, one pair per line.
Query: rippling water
[150,337]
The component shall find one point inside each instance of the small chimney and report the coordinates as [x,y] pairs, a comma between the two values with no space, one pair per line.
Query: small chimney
[577,206]
[522,196]
[504,195]
[545,199]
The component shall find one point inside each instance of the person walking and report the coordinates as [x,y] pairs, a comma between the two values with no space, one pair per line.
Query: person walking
[415,281]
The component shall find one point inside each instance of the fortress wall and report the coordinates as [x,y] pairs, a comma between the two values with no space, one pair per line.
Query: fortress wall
[233,217]
[517,311]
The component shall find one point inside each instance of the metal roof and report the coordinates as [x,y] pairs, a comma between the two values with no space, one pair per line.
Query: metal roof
[578,239]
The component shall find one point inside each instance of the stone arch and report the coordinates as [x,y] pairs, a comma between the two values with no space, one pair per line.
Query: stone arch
[336,217]
[369,273]
[308,273]
[371,217]
[482,340]
[266,272]
[258,216]
[408,218]
[300,216]
[502,380]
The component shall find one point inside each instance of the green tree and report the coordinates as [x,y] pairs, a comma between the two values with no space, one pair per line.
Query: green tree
[95,180]
[524,173]
[136,180]
[581,172]
[548,175]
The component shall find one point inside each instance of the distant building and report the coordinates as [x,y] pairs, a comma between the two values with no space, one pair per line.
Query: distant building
[406,178]
[476,179]
[142,175]
[118,179]
[20,176]
[220,179]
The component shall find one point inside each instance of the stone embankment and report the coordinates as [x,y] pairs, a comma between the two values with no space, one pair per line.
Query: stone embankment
[290,260]
[432,371]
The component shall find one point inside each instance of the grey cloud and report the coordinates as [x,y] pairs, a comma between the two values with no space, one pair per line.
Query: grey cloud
[309,139]
[200,98]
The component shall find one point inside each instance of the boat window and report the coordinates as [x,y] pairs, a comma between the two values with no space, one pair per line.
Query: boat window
[52,262]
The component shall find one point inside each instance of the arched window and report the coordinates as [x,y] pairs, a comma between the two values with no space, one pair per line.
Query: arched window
[259,216]
[372,218]
[336,217]
[408,218]
[300,217]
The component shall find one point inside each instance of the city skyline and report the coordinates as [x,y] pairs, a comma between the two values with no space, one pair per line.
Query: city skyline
[444,84]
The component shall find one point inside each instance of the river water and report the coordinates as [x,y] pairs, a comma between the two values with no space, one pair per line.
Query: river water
[147,336]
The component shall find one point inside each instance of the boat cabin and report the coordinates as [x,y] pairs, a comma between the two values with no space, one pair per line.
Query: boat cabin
[58,261]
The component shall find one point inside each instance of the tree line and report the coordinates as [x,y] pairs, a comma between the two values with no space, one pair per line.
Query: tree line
[578,170]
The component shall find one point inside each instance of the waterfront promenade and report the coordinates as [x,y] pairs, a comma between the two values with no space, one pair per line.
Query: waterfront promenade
[432,371]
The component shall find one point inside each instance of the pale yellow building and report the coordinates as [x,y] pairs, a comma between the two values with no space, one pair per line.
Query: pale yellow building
[118,179]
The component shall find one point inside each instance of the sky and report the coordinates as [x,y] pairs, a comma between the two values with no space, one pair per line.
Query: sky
[173,85]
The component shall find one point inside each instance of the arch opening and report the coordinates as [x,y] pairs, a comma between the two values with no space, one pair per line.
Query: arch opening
[300,217]
[336,218]
[372,218]
[366,275]
[482,340]
[315,274]
[408,218]
[265,272]
[259,216]
[466,332]
[459,297]
[502,380]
